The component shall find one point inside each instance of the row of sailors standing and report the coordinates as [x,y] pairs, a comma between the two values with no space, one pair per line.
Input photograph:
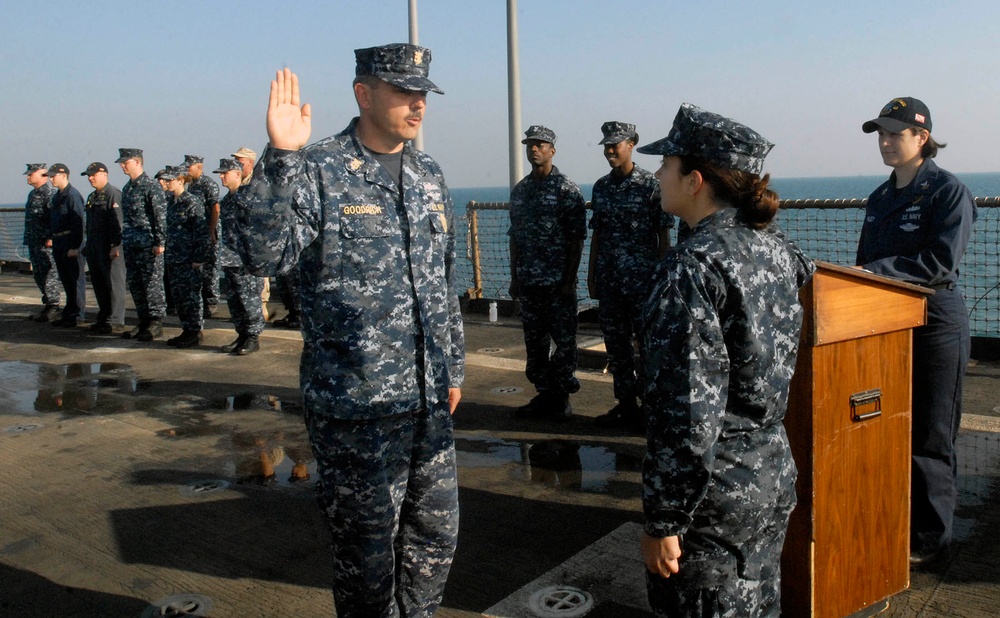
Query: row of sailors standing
[134,237]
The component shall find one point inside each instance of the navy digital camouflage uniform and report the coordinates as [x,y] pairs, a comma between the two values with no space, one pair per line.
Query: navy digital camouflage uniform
[628,216]
[104,231]
[205,189]
[37,232]
[187,244]
[382,346]
[242,287]
[144,213]
[546,217]
[720,335]
[919,234]
[66,211]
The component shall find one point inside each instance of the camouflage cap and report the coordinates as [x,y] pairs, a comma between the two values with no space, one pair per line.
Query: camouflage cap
[58,168]
[228,165]
[34,167]
[539,133]
[124,154]
[170,172]
[93,168]
[900,114]
[714,138]
[159,174]
[615,132]
[245,153]
[192,159]
[399,64]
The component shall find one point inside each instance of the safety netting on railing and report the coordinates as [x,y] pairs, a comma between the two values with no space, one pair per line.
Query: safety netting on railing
[826,230]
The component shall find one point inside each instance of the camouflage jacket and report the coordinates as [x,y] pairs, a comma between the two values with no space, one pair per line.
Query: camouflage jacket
[546,216]
[144,213]
[37,220]
[229,238]
[720,335]
[205,189]
[628,216]
[382,330]
[187,234]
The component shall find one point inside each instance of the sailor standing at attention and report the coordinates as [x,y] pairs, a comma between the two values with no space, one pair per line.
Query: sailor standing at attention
[548,226]
[144,237]
[368,221]
[720,335]
[38,240]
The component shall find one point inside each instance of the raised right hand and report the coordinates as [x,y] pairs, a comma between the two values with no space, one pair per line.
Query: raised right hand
[288,126]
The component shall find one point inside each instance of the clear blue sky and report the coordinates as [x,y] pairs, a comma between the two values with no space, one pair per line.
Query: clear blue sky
[81,79]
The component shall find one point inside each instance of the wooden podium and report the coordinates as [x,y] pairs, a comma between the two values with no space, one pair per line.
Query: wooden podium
[848,422]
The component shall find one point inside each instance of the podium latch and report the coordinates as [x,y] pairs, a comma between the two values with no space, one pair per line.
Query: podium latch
[866,404]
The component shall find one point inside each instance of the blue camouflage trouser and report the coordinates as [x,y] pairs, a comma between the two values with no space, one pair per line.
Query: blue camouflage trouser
[210,276]
[144,273]
[730,564]
[43,269]
[619,317]
[389,493]
[548,317]
[243,297]
[185,285]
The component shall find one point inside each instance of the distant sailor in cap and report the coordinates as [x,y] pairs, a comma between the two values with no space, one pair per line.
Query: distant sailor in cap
[630,234]
[187,250]
[368,221]
[38,240]
[103,250]
[917,227]
[720,336]
[242,287]
[205,189]
[144,238]
[246,158]
[548,226]
[66,209]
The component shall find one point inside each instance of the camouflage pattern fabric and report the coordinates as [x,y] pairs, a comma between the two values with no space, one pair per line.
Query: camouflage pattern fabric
[714,138]
[144,213]
[243,289]
[37,231]
[382,345]
[288,291]
[377,476]
[628,216]
[243,299]
[547,317]
[545,217]
[720,337]
[187,244]
[205,189]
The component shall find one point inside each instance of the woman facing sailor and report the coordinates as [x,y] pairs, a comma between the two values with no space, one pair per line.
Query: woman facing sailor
[720,335]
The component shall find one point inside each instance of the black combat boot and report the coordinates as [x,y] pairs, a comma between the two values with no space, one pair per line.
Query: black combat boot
[249,346]
[231,347]
[187,339]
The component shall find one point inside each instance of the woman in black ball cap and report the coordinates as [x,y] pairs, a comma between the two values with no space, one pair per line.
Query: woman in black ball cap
[917,225]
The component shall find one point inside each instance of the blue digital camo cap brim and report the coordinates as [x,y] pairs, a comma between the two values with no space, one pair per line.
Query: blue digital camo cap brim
[615,132]
[400,64]
[172,172]
[124,154]
[228,165]
[34,167]
[539,133]
[714,138]
[192,159]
